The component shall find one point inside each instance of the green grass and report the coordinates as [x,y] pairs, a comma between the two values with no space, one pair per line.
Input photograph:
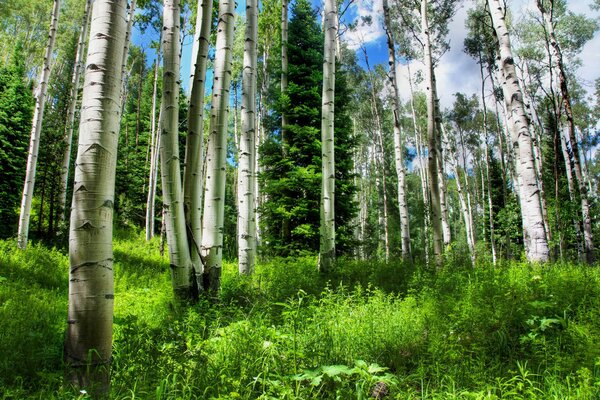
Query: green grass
[514,331]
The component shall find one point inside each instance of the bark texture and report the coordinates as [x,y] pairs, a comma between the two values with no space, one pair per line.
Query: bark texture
[70,125]
[193,176]
[327,247]
[398,138]
[88,341]
[179,253]
[534,235]
[247,149]
[214,203]
[36,131]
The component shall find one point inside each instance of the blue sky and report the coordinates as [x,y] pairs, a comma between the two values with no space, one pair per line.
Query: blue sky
[456,71]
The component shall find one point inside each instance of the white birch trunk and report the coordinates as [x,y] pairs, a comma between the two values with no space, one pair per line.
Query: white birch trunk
[247,154]
[285,141]
[154,146]
[88,342]
[327,248]
[433,152]
[534,235]
[124,74]
[398,139]
[36,131]
[588,243]
[193,175]
[214,203]
[70,124]
[179,254]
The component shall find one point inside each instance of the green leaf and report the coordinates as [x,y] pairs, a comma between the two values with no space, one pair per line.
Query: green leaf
[335,370]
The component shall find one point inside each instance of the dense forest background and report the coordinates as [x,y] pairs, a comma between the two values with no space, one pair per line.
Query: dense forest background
[459,261]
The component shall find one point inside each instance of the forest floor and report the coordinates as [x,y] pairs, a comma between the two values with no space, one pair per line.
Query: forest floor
[513,331]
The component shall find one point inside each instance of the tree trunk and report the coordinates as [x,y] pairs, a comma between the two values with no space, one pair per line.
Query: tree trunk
[154,146]
[534,235]
[36,131]
[285,140]
[179,254]
[193,175]
[247,154]
[124,73]
[88,342]
[588,243]
[213,217]
[70,125]
[398,139]
[327,248]
[433,153]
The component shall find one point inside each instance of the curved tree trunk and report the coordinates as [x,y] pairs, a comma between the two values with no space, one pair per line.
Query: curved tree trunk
[534,235]
[70,125]
[36,131]
[88,342]
[179,254]
[193,176]
[214,203]
[398,139]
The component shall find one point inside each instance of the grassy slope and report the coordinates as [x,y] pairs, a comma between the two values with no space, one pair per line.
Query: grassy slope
[514,331]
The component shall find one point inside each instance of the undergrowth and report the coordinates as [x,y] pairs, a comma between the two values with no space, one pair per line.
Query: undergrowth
[514,331]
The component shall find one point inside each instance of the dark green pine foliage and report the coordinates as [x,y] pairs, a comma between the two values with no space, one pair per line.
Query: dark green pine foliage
[16,112]
[292,183]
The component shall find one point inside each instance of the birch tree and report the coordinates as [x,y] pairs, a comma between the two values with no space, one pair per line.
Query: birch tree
[36,131]
[179,254]
[534,235]
[214,203]
[70,125]
[327,248]
[555,50]
[247,154]
[193,177]
[398,137]
[88,341]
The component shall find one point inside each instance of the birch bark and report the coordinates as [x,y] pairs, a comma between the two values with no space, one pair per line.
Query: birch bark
[247,155]
[88,342]
[36,131]
[70,125]
[534,235]
[398,139]
[179,254]
[214,203]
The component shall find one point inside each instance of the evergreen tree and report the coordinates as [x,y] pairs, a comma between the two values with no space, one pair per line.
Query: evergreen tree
[292,182]
[16,110]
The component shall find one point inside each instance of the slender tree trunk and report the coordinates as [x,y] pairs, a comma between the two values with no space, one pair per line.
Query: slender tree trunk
[193,175]
[124,74]
[433,152]
[247,155]
[327,250]
[285,140]
[534,236]
[588,243]
[179,254]
[398,139]
[214,204]
[154,146]
[422,169]
[88,341]
[70,124]
[36,131]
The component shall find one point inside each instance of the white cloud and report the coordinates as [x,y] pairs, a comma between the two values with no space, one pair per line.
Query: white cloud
[365,34]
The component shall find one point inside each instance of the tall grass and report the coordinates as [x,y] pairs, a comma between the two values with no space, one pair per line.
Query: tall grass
[515,331]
